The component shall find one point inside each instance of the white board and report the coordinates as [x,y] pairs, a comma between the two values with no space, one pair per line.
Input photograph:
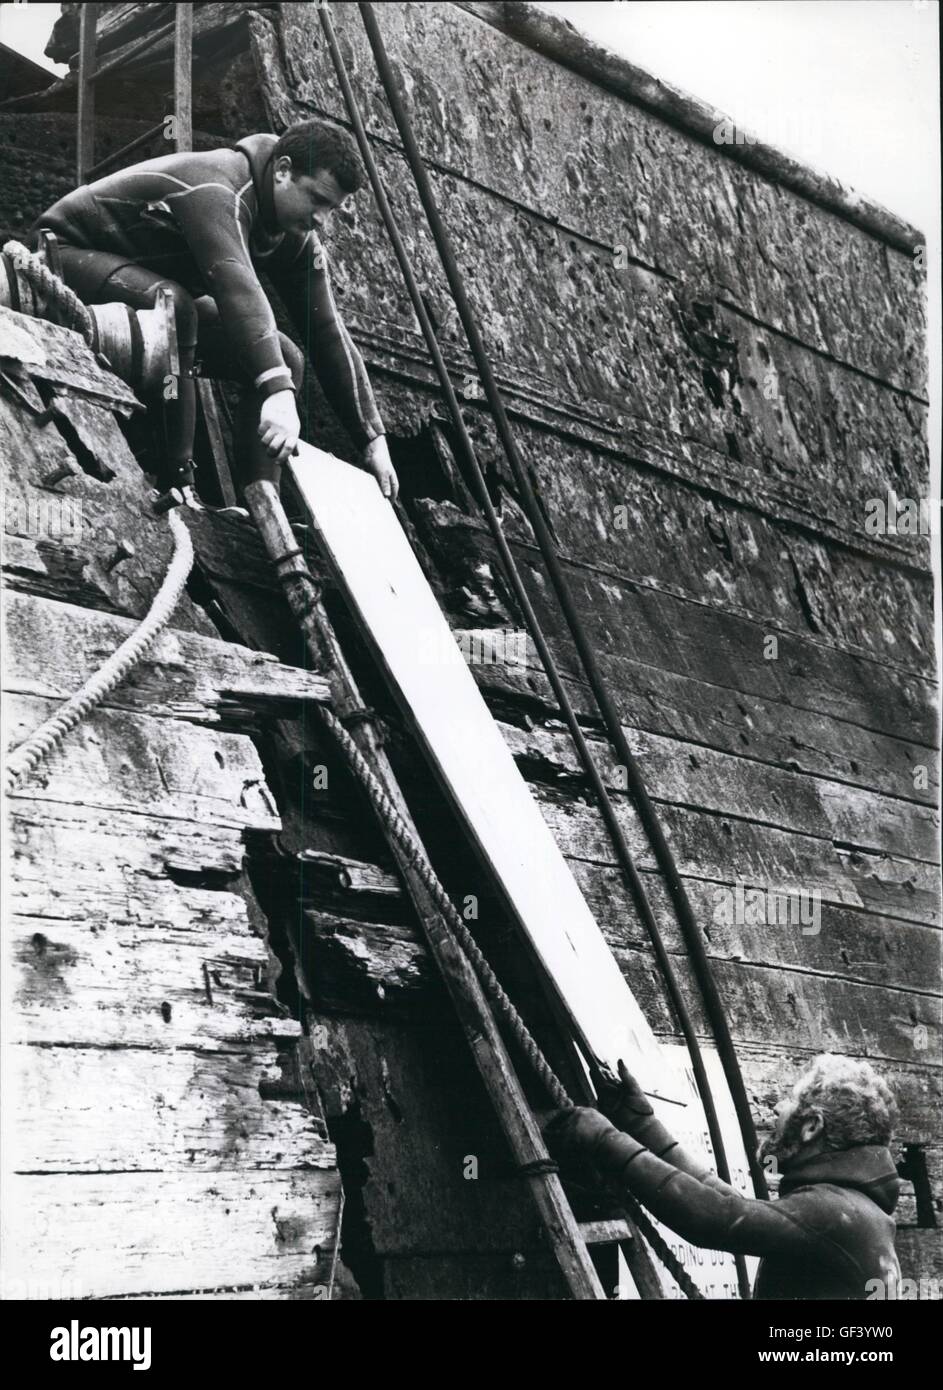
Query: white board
[399,615]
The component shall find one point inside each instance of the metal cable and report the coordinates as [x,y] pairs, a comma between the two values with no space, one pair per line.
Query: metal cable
[664,857]
[467,451]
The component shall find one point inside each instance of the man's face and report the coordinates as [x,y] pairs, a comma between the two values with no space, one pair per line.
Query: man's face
[791,1134]
[306,201]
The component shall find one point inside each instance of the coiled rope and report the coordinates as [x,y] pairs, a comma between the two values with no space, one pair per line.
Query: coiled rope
[418,860]
[121,662]
[66,303]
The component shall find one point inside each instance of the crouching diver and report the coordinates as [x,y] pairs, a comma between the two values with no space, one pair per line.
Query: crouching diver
[203,225]
[830,1235]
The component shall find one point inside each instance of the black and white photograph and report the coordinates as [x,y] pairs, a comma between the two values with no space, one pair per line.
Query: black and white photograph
[470,667]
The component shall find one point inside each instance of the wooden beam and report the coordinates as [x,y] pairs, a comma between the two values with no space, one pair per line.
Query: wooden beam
[85,146]
[217,444]
[183,78]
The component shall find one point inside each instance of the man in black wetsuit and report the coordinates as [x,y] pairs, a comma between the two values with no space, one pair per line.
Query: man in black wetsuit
[203,225]
[829,1235]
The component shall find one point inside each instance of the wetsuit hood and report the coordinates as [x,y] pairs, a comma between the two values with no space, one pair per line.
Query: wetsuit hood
[868,1168]
[259,149]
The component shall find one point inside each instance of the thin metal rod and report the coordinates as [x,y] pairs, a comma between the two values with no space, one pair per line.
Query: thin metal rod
[607,708]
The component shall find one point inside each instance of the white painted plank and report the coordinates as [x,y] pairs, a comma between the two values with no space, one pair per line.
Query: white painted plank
[383,583]
[382,579]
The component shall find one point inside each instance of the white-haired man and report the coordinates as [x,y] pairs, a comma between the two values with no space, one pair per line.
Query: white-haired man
[831,1230]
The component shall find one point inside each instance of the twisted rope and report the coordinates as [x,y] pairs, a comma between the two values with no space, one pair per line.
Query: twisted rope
[56,292]
[416,856]
[418,861]
[661,1247]
[42,741]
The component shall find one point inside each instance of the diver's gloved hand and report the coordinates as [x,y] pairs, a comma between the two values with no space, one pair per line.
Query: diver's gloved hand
[572,1134]
[583,1136]
[630,1110]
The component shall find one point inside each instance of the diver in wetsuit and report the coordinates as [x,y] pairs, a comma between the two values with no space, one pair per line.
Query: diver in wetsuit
[829,1235]
[203,225]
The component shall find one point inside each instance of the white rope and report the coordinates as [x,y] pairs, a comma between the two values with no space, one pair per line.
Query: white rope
[121,662]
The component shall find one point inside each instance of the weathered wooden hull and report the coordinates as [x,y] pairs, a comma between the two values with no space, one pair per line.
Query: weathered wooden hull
[710,375]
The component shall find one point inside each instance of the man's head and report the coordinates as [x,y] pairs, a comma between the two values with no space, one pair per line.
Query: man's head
[316,166]
[837,1103]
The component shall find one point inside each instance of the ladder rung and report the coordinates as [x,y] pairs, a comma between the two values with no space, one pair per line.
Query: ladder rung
[605,1232]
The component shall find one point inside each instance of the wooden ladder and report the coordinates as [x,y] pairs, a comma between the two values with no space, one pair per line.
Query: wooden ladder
[570,1240]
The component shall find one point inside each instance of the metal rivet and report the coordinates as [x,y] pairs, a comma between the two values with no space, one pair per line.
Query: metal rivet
[124,550]
[166,501]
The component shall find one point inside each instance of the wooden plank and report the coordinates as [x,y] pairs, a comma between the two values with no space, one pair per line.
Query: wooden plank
[207,1230]
[354,964]
[717,716]
[465,989]
[85,152]
[827,1012]
[137,847]
[605,1232]
[550,36]
[124,1109]
[401,620]
[725,849]
[53,647]
[645,628]
[704,779]
[183,76]
[126,761]
[360,966]
[373,564]
[676,203]
[855,945]
[710,550]
[150,985]
[62,544]
[418,1140]
[67,360]
[141,937]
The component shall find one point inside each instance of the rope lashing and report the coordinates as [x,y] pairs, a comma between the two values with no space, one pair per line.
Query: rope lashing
[43,740]
[56,292]
[415,854]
